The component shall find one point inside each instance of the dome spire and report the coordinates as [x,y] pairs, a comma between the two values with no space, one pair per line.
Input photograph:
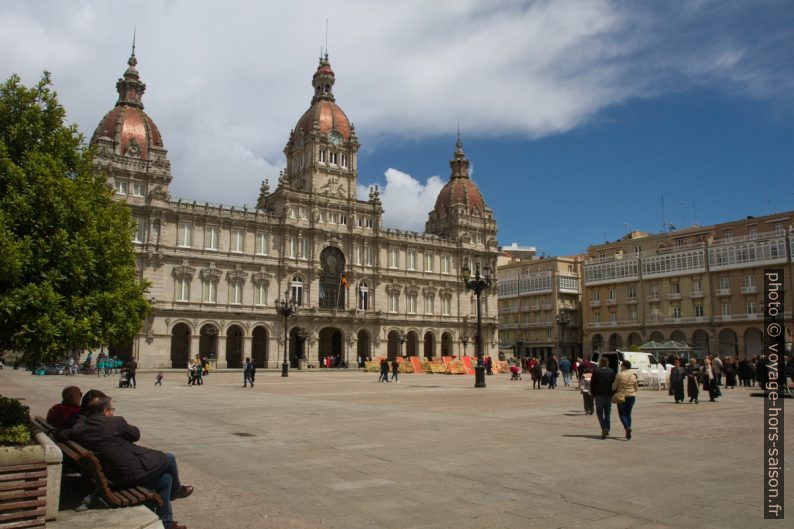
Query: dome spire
[459,164]
[130,87]
[323,80]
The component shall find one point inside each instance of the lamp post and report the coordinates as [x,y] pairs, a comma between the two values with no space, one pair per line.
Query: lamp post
[519,343]
[563,321]
[286,307]
[478,284]
[465,339]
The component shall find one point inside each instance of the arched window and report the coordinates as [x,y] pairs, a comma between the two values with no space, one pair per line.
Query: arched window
[296,290]
[363,296]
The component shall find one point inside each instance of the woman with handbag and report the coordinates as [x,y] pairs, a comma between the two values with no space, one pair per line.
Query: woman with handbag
[692,379]
[710,381]
[625,388]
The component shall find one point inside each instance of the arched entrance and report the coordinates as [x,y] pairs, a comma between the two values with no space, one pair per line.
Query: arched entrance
[259,346]
[430,344]
[122,352]
[728,343]
[656,336]
[234,347]
[331,345]
[412,344]
[634,340]
[208,341]
[700,339]
[332,286]
[678,336]
[297,347]
[597,343]
[180,345]
[446,344]
[393,346]
[363,346]
[615,342]
[753,342]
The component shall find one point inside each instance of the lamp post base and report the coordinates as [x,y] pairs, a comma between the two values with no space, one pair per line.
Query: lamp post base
[479,376]
[285,369]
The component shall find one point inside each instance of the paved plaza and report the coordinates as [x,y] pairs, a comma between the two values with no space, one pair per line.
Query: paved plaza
[339,450]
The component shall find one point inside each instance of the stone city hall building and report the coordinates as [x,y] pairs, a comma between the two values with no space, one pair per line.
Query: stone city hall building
[702,285]
[363,290]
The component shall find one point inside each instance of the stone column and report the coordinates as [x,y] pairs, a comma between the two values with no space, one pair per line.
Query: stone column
[194,345]
[247,349]
[221,352]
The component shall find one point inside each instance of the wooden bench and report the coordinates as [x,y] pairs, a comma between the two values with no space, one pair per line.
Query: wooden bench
[86,462]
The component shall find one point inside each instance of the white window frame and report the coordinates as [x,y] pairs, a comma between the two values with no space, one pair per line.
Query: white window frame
[394,302]
[260,295]
[445,264]
[410,303]
[185,235]
[261,243]
[363,296]
[211,238]
[122,187]
[140,231]
[182,286]
[296,290]
[209,291]
[429,258]
[237,241]
[236,293]
[138,189]
[410,260]
[446,305]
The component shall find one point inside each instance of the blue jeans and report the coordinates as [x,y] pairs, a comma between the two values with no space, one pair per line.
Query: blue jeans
[552,380]
[624,412]
[566,377]
[603,406]
[165,484]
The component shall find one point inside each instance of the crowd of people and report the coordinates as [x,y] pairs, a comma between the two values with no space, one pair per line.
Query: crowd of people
[90,420]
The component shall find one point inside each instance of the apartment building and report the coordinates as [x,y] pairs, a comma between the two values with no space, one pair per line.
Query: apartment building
[701,285]
[540,304]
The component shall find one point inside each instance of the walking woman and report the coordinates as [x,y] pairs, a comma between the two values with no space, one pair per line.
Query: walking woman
[730,368]
[537,372]
[710,381]
[625,388]
[692,377]
[677,376]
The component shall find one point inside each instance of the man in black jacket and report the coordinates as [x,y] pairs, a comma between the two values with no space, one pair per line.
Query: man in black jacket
[124,463]
[601,389]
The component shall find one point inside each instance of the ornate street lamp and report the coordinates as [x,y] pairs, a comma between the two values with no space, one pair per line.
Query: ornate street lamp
[563,321]
[478,284]
[286,307]
[465,339]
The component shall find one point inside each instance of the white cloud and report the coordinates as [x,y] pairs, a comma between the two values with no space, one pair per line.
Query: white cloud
[225,86]
[406,201]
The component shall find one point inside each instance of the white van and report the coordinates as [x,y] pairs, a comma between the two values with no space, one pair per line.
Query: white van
[640,361]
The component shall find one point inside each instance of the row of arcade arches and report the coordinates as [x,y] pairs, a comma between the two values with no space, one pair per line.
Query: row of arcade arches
[330,342]
[728,341]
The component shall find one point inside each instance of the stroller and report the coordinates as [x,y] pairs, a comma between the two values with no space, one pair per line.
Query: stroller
[515,372]
[124,379]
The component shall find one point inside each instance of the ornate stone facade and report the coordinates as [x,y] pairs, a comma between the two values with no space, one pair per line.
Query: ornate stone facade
[364,290]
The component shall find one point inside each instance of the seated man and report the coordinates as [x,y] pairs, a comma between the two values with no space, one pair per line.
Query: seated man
[60,414]
[124,463]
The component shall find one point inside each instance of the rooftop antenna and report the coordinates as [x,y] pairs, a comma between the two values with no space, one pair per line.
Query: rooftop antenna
[326,36]
[664,220]
[134,31]
[694,213]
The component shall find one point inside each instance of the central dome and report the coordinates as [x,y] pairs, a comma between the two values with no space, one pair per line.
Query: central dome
[460,191]
[324,112]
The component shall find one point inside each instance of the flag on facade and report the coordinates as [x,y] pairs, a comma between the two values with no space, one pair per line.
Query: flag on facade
[344,282]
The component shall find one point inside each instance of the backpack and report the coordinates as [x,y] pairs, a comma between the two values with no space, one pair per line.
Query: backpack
[544,380]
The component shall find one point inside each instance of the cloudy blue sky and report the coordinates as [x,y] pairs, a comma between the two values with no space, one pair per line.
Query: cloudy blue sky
[578,117]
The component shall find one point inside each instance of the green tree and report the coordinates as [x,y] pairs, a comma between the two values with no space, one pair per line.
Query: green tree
[67,261]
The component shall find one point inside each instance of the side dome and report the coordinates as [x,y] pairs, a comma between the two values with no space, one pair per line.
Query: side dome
[131,131]
[323,110]
[460,191]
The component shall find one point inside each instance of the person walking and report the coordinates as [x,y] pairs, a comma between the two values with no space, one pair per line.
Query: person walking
[692,379]
[395,368]
[625,387]
[677,376]
[552,368]
[536,372]
[247,373]
[488,365]
[718,367]
[384,370]
[132,366]
[159,380]
[601,389]
[710,383]
[584,387]
[565,367]
[198,376]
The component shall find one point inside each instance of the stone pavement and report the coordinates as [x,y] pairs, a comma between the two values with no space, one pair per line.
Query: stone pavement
[339,450]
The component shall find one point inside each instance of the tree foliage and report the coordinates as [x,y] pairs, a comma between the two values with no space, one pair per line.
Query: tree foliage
[68,279]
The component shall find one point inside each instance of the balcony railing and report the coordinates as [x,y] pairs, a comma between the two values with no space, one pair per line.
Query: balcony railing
[612,302]
[595,302]
[723,292]
[673,296]
[653,297]
[631,301]
[696,295]
[750,289]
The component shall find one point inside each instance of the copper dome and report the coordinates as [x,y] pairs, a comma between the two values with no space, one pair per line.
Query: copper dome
[324,110]
[127,125]
[460,190]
